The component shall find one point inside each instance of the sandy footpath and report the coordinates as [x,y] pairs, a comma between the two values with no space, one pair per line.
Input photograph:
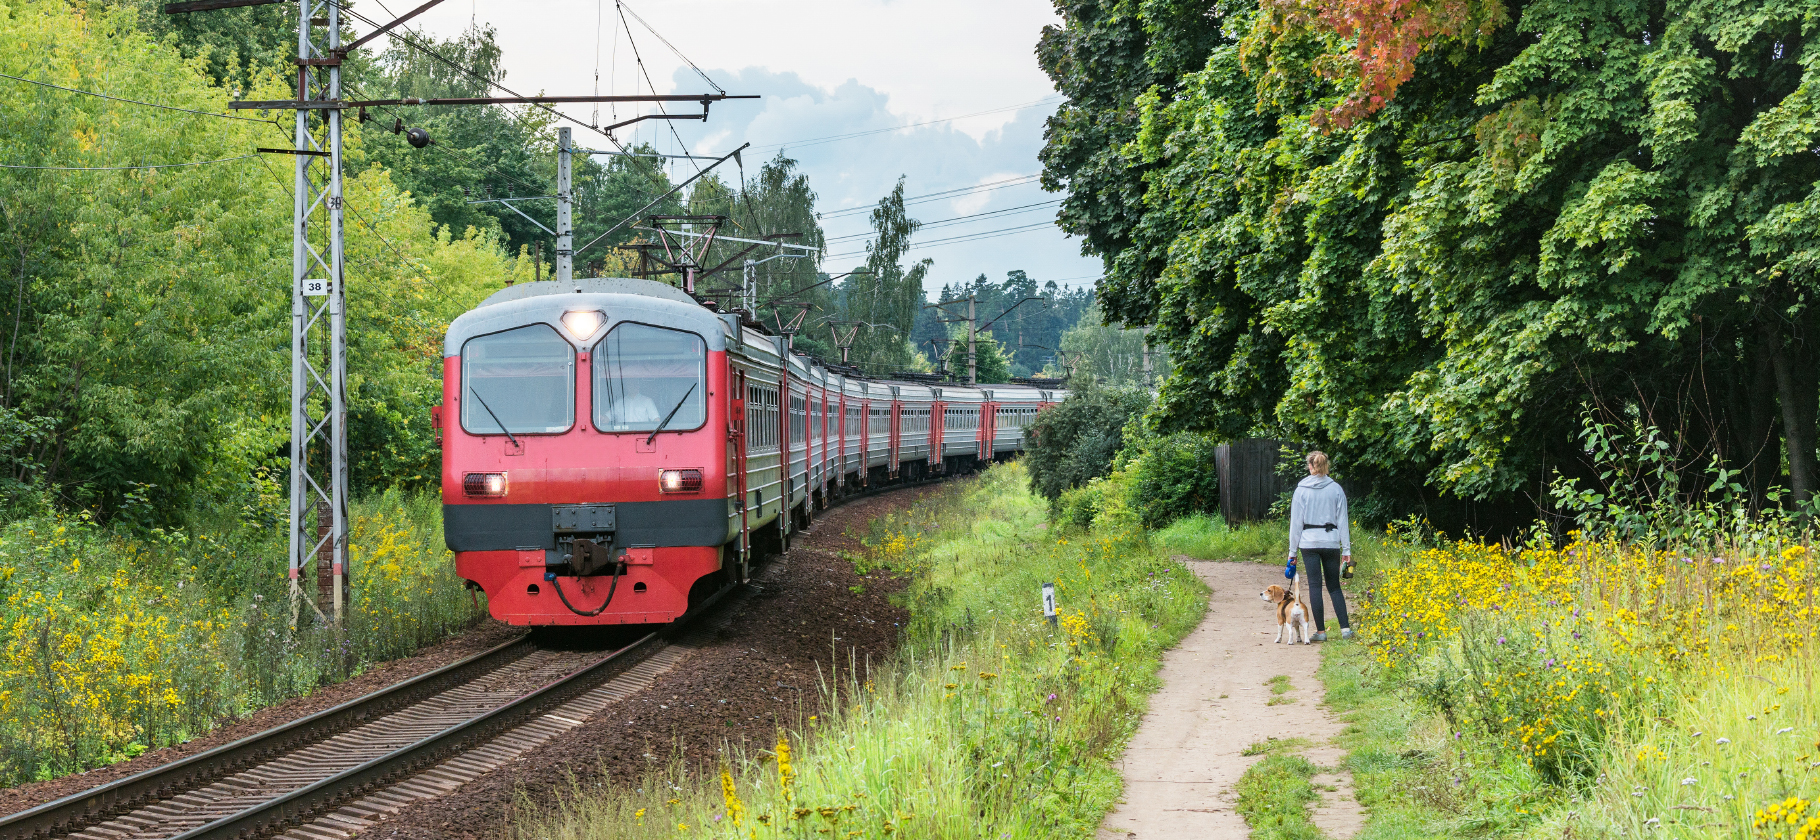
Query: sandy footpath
[1181,767]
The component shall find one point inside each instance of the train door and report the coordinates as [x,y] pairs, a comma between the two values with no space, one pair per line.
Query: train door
[736,440]
[938,427]
[897,425]
[988,428]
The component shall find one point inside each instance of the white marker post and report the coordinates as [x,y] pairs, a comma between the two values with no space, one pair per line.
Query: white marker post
[1049,603]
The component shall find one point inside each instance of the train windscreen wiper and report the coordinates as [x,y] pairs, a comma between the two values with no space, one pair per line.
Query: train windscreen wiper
[666,422]
[496,420]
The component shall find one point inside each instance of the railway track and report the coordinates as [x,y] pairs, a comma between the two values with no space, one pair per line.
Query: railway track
[335,772]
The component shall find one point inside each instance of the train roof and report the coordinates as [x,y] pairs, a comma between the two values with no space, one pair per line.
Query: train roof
[621,298]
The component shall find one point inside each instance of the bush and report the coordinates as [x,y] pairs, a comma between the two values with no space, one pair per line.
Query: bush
[1076,441]
[1173,477]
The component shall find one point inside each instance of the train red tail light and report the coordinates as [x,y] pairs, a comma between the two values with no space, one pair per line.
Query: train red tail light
[680,481]
[484,484]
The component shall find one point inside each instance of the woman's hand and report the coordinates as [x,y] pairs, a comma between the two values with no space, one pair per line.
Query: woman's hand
[1345,558]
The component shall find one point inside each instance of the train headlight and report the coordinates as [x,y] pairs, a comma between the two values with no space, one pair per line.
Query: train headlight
[680,481]
[583,323]
[484,484]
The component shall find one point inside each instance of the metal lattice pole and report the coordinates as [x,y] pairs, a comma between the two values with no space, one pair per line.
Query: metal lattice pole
[319,464]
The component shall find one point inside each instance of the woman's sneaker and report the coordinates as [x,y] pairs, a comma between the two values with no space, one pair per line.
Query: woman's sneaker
[1345,632]
[1320,636]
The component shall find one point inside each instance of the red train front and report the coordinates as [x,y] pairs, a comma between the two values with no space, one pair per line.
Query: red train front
[585,454]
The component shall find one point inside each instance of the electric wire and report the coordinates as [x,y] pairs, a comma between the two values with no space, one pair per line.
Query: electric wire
[666,42]
[1025,208]
[970,237]
[396,35]
[925,198]
[671,124]
[135,101]
[817,141]
[124,168]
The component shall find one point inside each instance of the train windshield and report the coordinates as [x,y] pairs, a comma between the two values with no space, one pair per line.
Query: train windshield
[520,381]
[642,374]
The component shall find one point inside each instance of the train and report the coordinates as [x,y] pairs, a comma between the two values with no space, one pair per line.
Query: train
[615,451]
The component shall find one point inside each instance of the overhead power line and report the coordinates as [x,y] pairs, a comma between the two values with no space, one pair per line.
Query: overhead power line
[970,237]
[135,101]
[817,141]
[406,40]
[938,196]
[625,9]
[120,168]
[1026,208]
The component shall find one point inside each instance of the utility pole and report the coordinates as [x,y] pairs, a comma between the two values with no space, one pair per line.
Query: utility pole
[749,288]
[565,199]
[319,462]
[972,332]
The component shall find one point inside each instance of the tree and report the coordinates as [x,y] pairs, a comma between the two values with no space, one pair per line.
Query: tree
[886,298]
[1107,354]
[1612,205]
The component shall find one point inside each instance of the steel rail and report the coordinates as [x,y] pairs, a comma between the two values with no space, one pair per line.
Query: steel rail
[306,802]
[72,813]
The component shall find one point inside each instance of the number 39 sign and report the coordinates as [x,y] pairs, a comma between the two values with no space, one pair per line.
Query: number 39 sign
[315,286]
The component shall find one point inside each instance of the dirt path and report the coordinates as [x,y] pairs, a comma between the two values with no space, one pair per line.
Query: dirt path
[1181,767]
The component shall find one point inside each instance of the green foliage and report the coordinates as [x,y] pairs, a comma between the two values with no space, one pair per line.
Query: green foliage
[987,723]
[1172,476]
[1585,204]
[1075,441]
[1028,333]
[120,639]
[145,312]
[1104,353]
[886,298]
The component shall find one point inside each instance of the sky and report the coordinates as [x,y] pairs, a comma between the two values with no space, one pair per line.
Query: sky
[944,93]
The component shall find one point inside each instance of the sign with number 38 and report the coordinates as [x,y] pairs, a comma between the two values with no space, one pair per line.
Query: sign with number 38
[315,286]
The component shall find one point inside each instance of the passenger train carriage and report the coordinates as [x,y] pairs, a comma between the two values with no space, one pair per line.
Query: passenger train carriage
[614,452]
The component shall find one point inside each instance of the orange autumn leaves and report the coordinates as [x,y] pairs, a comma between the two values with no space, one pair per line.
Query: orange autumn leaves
[1374,44]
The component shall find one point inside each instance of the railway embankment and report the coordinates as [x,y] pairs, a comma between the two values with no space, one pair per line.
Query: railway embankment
[986,720]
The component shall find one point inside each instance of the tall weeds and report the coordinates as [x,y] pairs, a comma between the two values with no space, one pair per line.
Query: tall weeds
[118,641]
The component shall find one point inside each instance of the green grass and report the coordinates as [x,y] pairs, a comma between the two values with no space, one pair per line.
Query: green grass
[121,640]
[1274,794]
[988,723]
[1279,690]
[1208,537]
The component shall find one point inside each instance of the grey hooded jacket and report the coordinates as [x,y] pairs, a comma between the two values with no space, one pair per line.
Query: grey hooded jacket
[1318,501]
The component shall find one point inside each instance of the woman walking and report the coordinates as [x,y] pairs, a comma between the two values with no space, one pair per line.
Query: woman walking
[1318,529]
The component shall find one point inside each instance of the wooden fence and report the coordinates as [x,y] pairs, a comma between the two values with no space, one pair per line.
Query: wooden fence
[1251,478]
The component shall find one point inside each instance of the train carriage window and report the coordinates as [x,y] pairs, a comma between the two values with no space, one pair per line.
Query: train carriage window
[643,373]
[523,378]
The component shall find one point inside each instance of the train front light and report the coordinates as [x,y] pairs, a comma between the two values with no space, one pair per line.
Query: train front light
[583,323]
[679,481]
[484,484]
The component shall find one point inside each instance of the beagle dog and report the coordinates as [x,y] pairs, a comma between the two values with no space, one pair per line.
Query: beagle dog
[1290,614]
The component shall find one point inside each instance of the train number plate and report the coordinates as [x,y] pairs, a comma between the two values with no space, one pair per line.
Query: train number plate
[576,519]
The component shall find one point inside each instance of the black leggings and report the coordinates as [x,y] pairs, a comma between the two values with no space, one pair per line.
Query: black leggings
[1324,563]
